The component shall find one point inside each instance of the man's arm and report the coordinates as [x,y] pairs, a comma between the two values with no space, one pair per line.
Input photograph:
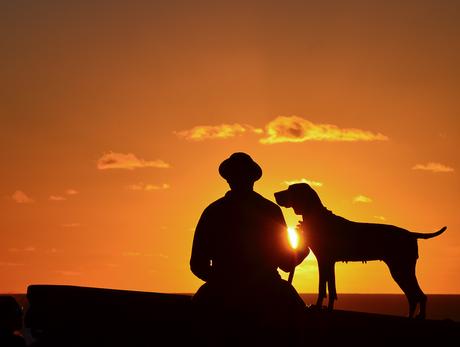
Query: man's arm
[289,258]
[200,261]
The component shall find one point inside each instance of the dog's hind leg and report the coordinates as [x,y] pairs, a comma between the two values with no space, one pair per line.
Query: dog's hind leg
[414,294]
[415,289]
[398,275]
[422,300]
[404,275]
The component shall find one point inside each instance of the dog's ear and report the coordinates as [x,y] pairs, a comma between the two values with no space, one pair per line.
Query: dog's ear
[304,199]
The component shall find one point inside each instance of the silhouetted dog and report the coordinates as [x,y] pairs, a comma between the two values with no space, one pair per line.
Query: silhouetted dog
[333,238]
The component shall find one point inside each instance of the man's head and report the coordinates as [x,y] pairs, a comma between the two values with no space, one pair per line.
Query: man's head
[240,171]
[301,197]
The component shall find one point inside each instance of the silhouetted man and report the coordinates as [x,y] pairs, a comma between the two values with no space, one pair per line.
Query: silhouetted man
[239,243]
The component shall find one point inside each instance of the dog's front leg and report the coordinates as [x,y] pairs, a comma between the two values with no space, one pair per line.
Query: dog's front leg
[322,269]
[331,285]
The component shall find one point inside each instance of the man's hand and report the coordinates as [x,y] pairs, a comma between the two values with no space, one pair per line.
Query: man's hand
[302,250]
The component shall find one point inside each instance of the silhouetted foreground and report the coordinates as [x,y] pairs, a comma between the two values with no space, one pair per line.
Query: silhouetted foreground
[79,316]
[11,316]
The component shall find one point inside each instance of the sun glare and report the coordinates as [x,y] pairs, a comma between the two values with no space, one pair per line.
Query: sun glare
[293,237]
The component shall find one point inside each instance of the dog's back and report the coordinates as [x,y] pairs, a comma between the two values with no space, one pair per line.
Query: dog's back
[345,240]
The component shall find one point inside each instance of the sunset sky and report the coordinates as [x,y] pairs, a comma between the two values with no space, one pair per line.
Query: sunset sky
[115,115]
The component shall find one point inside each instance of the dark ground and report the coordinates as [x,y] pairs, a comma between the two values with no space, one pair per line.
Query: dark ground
[80,316]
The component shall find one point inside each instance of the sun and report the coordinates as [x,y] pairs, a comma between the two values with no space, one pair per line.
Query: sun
[293,237]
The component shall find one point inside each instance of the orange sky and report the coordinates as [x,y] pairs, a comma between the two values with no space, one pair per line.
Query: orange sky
[114,117]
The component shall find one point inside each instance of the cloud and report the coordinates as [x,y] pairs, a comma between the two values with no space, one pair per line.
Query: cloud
[362,198]
[131,254]
[282,129]
[127,161]
[9,264]
[26,249]
[297,129]
[210,132]
[161,255]
[147,187]
[382,218]
[56,198]
[304,180]
[433,167]
[71,191]
[21,198]
[139,254]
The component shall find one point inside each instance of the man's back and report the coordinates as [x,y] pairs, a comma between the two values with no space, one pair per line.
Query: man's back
[242,234]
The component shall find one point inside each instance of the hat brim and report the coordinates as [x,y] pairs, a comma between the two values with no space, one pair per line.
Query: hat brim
[233,169]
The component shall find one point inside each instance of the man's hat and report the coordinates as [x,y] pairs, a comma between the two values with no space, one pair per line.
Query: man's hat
[240,165]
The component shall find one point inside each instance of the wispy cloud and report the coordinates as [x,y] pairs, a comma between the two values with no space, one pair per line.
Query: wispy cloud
[161,255]
[128,161]
[433,167]
[297,129]
[222,131]
[140,254]
[25,249]
[362,198]
[381,218]
[57,198]
[282,129]
[304,180]
[131,254]
[147,187]
[32,249]
[10,264]
[22,198]
[71,191]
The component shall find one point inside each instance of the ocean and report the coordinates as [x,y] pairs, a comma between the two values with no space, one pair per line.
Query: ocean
[439,306]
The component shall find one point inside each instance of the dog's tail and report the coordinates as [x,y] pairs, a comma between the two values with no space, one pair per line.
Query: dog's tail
[430,235]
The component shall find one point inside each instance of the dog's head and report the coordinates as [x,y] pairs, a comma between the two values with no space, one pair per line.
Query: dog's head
[301,197]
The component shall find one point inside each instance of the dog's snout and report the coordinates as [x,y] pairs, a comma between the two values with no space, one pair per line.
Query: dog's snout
[282,198]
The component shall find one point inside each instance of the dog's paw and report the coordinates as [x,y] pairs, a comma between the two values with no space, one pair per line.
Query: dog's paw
[314,307]
[420,317]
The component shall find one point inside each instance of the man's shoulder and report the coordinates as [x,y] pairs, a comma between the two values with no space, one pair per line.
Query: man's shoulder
[263,201]
[216,204]
[259,200]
